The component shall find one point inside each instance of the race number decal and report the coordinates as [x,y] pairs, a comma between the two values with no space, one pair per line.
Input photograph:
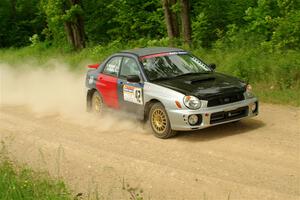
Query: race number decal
[133,94]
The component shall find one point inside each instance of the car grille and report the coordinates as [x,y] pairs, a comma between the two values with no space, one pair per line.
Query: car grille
[228,115]
[225,99]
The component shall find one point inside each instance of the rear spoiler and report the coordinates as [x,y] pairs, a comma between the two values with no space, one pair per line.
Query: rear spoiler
[94,66]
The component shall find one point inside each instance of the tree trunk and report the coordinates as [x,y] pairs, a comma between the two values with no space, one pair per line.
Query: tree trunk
[186,22]
[68,29]
[80,25]
[78,43]
[13,10]
[174,19]
[75,29]
[168,19]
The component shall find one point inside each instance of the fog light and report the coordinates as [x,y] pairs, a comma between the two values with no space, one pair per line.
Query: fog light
[193,119]
[253,107]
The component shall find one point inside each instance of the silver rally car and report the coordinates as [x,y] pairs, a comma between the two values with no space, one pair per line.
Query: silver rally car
[171,88]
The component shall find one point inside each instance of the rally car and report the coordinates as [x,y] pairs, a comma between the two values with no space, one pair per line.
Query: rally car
[170,87]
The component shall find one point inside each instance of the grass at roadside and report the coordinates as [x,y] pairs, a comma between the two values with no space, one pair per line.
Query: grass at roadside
[21,183]
[274,75]
[269,94]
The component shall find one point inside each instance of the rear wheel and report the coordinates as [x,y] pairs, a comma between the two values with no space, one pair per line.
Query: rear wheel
[159,122]
[97,103]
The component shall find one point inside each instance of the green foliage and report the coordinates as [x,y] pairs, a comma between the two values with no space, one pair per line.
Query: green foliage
[211,18]
[23,184]
[4,23]
[55,29]
[19,20]
[70,14]
[277,21]
[271,24]
[35,40]
[98,20]
[125,20]
[57,13]
[136,19]
[261,18]
[200,27]
[287,33]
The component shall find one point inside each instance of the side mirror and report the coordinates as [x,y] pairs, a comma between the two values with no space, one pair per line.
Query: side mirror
[133,78]
[212,66]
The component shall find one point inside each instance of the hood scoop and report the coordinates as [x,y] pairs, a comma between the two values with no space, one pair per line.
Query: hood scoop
[198,80]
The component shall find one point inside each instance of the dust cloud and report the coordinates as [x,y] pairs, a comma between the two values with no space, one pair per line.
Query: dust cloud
[53,90]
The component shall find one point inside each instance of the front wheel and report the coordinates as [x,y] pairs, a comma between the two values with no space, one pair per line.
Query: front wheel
[159,122]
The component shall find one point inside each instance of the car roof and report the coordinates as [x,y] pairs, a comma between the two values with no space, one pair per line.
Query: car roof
[151,50]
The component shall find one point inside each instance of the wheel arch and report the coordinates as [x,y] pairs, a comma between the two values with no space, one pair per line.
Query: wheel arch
[148,107]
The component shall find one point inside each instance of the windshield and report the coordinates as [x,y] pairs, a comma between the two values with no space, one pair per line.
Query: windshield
[170,65]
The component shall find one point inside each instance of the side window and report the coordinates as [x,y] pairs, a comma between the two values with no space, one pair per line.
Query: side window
[113,66]
[129,67]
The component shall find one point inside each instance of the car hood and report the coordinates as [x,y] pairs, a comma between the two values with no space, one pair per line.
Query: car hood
[204,86]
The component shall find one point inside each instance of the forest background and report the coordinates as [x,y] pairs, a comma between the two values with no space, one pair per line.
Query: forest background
[256,40]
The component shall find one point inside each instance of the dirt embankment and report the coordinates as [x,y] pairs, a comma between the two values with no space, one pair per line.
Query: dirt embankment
[44,123]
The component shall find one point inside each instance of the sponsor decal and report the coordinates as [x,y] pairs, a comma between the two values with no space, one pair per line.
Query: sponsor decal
[133,94]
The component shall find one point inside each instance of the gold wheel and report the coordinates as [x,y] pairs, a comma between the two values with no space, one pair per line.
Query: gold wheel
[159,120]
[97,104]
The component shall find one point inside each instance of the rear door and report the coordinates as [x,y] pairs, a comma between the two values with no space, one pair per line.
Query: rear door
[130,94]
[107,82]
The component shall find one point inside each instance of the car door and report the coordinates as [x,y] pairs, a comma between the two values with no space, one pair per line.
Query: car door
[107,82]
[130,94]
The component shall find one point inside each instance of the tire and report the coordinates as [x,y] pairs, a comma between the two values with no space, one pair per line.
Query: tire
[159,122]
[97,104]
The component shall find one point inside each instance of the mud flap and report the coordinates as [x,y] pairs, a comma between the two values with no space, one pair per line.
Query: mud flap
[89,96]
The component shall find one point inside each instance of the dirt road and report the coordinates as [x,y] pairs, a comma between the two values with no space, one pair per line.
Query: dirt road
[257,158]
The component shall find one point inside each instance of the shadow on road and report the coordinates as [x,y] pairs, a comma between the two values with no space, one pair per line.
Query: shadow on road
[221,131]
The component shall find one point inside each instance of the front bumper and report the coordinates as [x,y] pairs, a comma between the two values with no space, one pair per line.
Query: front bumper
[212,116]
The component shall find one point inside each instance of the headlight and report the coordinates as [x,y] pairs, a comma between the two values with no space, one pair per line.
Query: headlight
[192,102]
[249,93]
[248,88]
